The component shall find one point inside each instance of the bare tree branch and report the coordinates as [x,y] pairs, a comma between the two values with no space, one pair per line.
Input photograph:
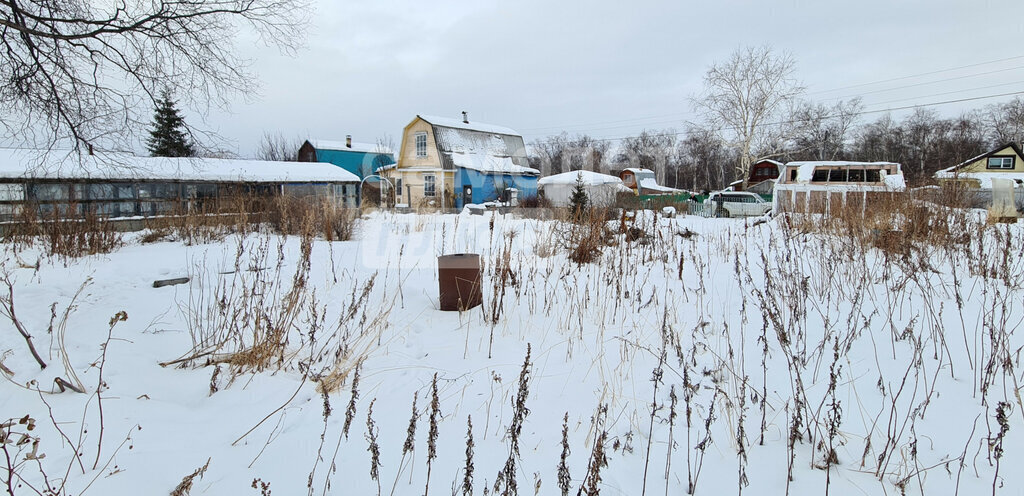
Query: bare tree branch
[86,73]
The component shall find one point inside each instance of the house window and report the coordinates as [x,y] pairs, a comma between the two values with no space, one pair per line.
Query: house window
[428,186]
[1000,162]
[399,188]
[421,145]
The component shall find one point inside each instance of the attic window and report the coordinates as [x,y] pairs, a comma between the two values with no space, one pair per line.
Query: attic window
[421,145]
[1000,162]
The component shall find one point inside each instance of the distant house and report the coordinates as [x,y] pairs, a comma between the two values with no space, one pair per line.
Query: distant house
[361,159]
[762,178]
[458,162]
[644,183]
[1004,162]
[831,186]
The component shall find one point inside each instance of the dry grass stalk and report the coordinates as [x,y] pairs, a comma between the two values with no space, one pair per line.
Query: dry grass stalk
[350,411]
[515,429]
[373,448]
[564,478]
[435,414]
[467,478]
[7,310]
[183,488]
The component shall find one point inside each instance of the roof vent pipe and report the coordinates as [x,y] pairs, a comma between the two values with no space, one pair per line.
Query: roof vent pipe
[465,117]
[348,141]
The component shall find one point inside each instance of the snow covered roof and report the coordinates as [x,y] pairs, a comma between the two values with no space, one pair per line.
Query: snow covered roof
[984,178]
[490,164]
[649,185]
[341,146]
[805,169]
[65,164]
[589,178]
[471,126]
[480,147]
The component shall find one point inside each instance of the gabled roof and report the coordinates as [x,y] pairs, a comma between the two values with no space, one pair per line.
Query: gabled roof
[763,160]
[18,163]
[983,156]
[470,126]
[482,147]
[341,146]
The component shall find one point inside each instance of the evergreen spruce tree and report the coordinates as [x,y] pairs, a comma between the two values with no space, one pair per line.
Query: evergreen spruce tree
[167,138]
[578,201]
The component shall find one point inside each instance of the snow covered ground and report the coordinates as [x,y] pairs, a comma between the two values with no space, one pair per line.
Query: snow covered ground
[778,352]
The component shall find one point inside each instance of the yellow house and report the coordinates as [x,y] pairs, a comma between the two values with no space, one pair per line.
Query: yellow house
[1006,162]
[456,161]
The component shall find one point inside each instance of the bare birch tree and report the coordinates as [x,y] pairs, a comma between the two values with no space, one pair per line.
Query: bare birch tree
[743,94]
[84,73]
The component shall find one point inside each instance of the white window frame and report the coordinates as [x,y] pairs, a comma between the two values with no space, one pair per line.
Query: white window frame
[398,186]
[421,144]
[1004,161]
[430,179]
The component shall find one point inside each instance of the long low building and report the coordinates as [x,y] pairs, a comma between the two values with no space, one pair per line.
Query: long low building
[122,185]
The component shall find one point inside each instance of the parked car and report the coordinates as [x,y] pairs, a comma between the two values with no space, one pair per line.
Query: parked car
[737,204]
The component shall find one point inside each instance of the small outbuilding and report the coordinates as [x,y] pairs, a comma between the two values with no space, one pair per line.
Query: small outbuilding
[601,189]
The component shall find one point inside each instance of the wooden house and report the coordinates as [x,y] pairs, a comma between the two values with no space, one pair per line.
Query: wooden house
[450,163]
[361,159]
[1004,162]
[761,180]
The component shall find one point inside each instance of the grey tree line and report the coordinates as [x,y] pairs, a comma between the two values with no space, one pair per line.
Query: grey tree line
[697,159]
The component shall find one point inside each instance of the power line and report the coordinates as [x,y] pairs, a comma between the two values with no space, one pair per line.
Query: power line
[679,115]
[949,92]
[863,112]
[925,83]
[916,75]
[918,97]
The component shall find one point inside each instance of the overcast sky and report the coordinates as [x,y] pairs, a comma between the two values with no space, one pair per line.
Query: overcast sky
[609,69]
